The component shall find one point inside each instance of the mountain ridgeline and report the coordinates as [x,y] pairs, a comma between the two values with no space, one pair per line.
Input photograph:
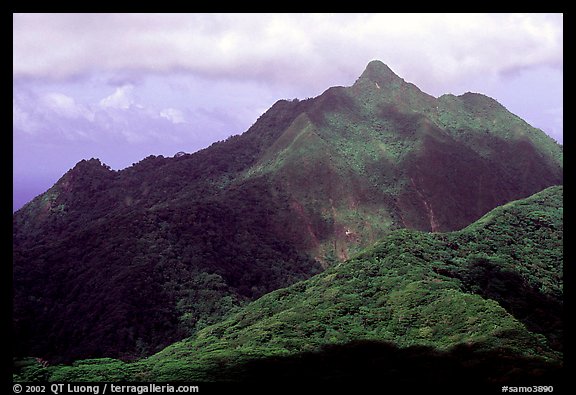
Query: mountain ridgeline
[123,263]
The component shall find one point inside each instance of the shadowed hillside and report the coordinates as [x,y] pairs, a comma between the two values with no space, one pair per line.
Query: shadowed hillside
[438,309]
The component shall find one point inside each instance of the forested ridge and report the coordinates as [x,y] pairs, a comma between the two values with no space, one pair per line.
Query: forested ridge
[121,264]
[480,306]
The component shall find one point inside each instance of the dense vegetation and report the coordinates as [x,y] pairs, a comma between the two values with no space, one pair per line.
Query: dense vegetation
[444,308]
[162,272]
[123,263]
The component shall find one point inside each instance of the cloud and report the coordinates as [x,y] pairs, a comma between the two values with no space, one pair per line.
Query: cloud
[65,106]
[122,98]
[22,120]
[173,115]
[43,115]
[317,49]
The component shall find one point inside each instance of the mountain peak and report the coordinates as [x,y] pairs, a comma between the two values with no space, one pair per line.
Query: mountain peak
[87,168]
[93,163]
[377,71]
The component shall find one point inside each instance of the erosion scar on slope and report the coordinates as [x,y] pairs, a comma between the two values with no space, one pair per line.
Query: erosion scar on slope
[434,226]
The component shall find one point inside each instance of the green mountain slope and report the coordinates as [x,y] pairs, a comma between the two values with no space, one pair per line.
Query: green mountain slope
[122,263]
[480,306]
[380,155]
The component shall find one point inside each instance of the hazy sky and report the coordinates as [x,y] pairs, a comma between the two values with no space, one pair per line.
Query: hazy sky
[120,87]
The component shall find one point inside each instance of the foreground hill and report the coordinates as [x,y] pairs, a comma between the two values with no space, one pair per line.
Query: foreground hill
[123,263]
[480,307]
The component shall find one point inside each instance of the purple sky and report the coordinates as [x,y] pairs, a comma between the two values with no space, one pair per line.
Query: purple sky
[121,87]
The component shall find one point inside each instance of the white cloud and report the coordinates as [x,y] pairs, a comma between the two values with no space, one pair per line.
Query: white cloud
[122,98]
[292,48]
[173,115]
[65,106]
[22,120]
[42,114]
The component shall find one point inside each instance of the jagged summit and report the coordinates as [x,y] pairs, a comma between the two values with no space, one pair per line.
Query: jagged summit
[379,85]
[90,164]
[377,71]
